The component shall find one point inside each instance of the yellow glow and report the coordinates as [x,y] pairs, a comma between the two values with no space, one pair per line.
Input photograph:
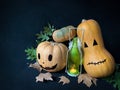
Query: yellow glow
[72,70]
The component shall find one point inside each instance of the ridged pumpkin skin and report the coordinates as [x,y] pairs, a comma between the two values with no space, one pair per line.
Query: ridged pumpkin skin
[98,62]
[51,56]
[64,34]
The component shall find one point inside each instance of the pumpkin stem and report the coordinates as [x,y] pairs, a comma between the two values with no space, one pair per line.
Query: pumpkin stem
[83,20]
[52,43]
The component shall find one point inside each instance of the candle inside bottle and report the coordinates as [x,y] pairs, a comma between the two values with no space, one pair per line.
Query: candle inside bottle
[73,70]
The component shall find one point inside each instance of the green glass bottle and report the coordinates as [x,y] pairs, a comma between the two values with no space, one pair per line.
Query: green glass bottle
[74,60]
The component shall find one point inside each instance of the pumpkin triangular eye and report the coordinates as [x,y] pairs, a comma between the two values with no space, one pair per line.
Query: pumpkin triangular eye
[95,43]
[85,45]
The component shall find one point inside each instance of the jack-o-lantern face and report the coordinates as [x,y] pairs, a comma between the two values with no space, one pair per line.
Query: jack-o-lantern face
[98,62]
[94,46]
[51,56]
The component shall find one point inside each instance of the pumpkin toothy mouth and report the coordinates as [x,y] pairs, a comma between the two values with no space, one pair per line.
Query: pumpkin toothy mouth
[49,68]
[97,63]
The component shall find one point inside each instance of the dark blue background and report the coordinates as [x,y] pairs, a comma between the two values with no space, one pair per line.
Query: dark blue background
[22,19]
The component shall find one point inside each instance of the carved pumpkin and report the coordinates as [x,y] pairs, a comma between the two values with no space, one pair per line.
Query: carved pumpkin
[51,56]
[64,34]
[98,62]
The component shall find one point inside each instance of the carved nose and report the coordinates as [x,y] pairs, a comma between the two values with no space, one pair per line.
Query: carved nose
[43,62]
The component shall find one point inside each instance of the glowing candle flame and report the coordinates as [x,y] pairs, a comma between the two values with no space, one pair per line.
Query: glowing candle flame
[72,70]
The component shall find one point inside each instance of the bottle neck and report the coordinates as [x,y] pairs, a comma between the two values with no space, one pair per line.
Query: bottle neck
[75,42]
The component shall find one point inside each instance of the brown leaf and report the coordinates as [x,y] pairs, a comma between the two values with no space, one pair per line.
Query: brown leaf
[44,76]
[94,81]
[87,79]
[36,66]
[64,80]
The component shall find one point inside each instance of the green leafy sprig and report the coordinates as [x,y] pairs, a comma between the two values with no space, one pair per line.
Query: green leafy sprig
[114,79]
[44,35]
[31,53]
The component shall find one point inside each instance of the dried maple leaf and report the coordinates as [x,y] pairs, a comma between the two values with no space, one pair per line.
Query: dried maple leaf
[64,80]
[36,66]
[44,76]
[87,79]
